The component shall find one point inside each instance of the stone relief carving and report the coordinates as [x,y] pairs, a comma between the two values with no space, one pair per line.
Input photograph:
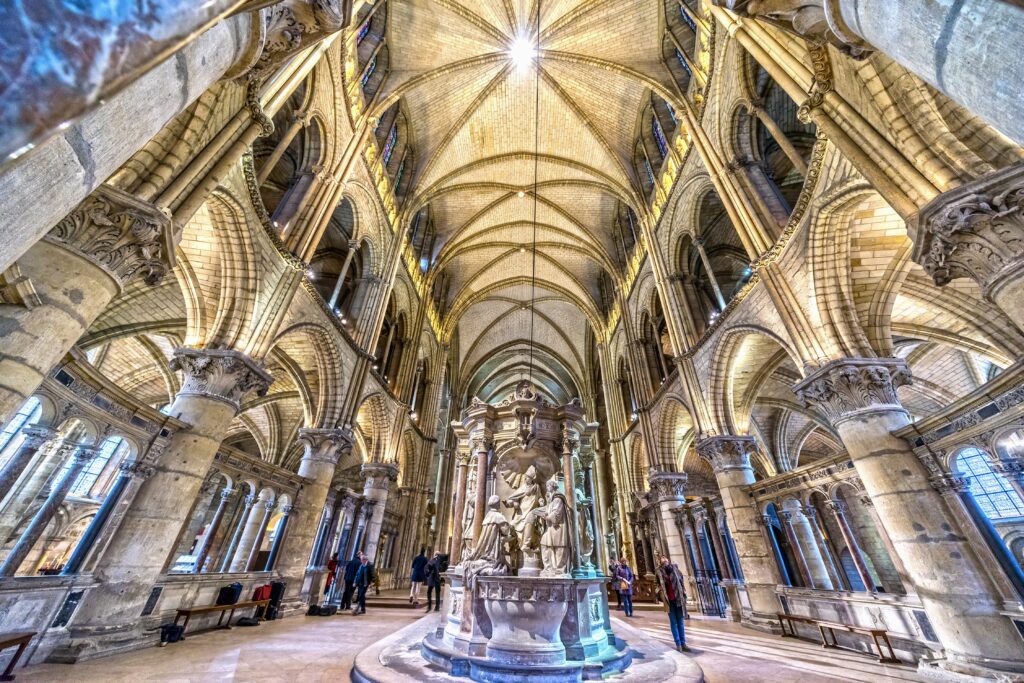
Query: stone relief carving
[556,543]
[293,25]
[128,238]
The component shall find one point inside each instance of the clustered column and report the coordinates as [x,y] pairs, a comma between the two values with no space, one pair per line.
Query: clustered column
[378,476]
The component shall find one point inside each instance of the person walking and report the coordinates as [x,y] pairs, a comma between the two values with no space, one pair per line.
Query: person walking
[626,578]
[363,580]
[350,576]
[434,580]
[332,573]
[613,569]
[671,581]
[419,563]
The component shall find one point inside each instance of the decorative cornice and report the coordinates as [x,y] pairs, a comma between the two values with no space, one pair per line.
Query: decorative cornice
[975,231]
[727,452]
[851,387]
[128,238]
[227,376]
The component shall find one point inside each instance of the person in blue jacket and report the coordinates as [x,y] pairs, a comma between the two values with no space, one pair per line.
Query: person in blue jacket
[419,563]
[350,577]
[626,578]
[364,579]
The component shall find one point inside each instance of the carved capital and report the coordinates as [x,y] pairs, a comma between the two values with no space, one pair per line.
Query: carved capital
[727,452]
[325,445]
[813,20]
[37,436]
[668,486]
[294,25]
[227,376]
[481,446]
[379,475]
[853,386]
[137,469]
[949,483]
[126,237]
[975,231]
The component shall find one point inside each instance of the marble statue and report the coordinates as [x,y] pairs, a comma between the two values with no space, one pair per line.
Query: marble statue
[584,521]
[489,556]
[525,499]
[469,514]
[556,542]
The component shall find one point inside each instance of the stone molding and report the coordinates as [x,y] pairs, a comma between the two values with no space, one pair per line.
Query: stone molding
[849,387]
[668,486]
[226,376]
[727,452]
[536,590]
[379,475]
[128,238]
[325,445]
[975,231]
[813,20]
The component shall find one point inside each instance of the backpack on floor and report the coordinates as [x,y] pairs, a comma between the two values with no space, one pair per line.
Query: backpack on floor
[247,621]
[171,633]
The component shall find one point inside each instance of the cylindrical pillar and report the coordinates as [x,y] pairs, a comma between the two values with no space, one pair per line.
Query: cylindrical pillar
[480,449]
[461,470]
[379,476]
[804,536]
[236,536]
[336,292]
[261,531]
[203,550]
[786,519]
[35,528]
[35,437]
[730,458]
[279,536]
[99,520]
[859,397]
[839,511]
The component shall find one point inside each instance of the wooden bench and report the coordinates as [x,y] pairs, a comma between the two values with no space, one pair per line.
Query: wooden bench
[827,630]
[19,638]
[189,612]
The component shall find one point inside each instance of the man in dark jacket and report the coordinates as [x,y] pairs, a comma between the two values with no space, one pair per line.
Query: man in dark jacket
[671,581]
[350,576]
[363,580]
[434,580]
[419,564]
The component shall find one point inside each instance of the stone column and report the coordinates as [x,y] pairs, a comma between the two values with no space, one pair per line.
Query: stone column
[203,550]
[711,524]
[835,576]
[839,510]
[215,383]
[679,515]
[35,437]
[786,518]
[322,447]
[481,447]
[461,468]
[378,476]
[108,242]
[34,531]
[366,513]
[348,510]
[353,246]
[296,123]
[965,49]
[810,548]
[599,558]
[250,530]
[977,231]
[280,534]
[730,458]
[261,531]
[236,537]
[129,471]
[670,490]
[859,397]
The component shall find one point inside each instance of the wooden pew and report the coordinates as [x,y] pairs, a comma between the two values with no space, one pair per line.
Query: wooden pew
[189,612]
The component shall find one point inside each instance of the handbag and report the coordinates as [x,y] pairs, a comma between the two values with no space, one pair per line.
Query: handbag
[623,585]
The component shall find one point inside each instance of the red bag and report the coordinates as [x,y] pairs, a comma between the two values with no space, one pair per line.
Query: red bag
[261,593]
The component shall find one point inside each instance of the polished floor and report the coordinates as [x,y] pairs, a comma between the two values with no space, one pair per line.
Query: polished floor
[306,649]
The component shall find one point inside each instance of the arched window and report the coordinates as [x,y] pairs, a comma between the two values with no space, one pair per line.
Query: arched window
[113,449]
[11,438]
[992,492]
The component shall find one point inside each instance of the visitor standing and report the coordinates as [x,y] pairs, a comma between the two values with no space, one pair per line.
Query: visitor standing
[613,570]
[626,577]
[419,563]
[434,580]
[332,573]
[363,580]
[671,581]
[350,576]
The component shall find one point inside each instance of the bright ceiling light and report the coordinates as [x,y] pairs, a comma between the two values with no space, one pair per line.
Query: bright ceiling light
[522,51]
[521,194]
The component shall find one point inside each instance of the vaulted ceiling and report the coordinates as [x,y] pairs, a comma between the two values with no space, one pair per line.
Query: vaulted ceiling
[472,110]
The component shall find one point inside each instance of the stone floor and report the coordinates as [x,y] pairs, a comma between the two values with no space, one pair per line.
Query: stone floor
[304,649]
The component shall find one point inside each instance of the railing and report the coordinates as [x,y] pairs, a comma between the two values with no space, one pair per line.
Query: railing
[709,593]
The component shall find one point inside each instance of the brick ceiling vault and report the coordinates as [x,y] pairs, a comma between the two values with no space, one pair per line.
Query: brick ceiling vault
[470,108]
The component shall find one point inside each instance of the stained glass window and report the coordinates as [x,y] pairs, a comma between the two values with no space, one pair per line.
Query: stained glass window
[363,30]
[650,171]
[398,176]
[369,71]
[994,495]
[11,438]
[682,63]
[659,136]
[686,17]
[389,145]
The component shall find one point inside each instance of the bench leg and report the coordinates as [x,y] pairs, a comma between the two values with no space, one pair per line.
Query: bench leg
[893,659]
[7,675]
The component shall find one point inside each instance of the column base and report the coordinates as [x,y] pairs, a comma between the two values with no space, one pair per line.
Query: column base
[953,671]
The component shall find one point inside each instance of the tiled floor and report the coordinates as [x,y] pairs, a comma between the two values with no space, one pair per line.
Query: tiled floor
[305,649]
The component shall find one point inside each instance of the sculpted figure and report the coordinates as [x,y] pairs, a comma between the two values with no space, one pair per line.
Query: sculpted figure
[469,514]
[525,499]
[556,543]
[584,523]
[488,557]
